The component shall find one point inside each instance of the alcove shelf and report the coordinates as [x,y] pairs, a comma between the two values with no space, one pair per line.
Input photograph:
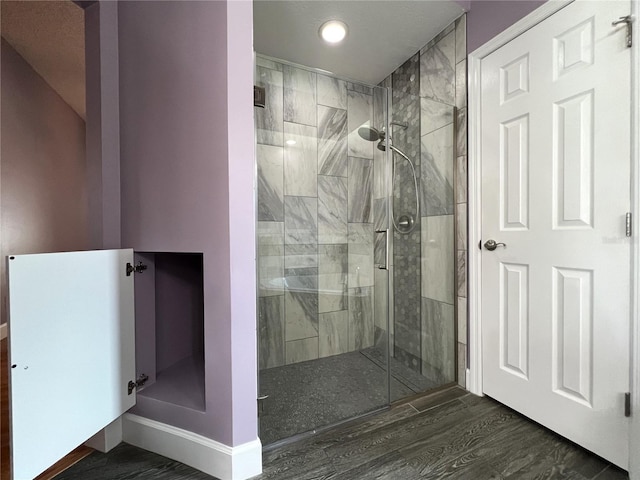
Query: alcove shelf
[169,298]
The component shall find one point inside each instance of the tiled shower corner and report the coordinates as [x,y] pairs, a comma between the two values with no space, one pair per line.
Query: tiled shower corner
[315,216]
[321,196]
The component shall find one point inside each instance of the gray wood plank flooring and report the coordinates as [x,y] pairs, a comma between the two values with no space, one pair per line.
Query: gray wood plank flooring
[450,434]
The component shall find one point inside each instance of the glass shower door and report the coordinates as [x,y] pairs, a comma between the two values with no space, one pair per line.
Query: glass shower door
[323,305]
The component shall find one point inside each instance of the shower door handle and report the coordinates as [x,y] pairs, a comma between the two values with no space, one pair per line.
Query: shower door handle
[386,250]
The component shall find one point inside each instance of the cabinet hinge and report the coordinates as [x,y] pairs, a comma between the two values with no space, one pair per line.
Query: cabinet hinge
[259,96]
[139,268]
[629,224]
[627,404]
[261,400]
[131,386]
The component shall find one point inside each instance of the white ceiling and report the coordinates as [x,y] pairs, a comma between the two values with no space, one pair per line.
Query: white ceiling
[382,35]
[49,35]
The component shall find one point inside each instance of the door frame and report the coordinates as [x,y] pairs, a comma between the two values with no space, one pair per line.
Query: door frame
[634,432]
[474,366]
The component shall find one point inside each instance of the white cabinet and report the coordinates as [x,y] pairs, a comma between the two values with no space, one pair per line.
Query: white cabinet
[71,351]
[78,336]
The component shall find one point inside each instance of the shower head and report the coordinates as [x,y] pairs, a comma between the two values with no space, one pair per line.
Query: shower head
[370,134]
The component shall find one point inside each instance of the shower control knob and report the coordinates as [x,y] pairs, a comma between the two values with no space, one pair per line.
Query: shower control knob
[491,245]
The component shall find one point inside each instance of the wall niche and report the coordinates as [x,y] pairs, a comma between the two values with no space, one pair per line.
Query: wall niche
[170,328]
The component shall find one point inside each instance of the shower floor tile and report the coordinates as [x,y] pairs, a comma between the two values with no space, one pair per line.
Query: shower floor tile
[308,395]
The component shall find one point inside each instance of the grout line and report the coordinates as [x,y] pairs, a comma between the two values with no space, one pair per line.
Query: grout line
[601,472]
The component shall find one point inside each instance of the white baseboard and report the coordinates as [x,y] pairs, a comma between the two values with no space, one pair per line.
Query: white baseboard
[211,457]
[108,438]
[3,331]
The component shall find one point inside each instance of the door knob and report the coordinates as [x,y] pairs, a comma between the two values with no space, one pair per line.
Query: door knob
[491,245]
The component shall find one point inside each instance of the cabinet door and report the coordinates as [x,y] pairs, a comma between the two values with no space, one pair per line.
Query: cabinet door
[71,351]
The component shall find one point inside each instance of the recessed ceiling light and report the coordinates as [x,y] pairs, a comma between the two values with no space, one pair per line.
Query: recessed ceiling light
[291,142]
[333,31]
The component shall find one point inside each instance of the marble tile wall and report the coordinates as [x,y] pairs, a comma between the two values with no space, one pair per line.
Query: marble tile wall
[332,141]
[300,160]
[320,200]
[315,215]
[429,95]
[271,183]
[438,341]
[405,110]
[270,122]
[333,271]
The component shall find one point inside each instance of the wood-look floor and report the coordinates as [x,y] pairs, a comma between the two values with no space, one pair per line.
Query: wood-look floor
[5,464]
[450,434]
[447,435]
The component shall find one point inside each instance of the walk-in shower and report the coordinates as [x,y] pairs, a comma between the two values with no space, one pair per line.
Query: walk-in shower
[356,255]
[406,222]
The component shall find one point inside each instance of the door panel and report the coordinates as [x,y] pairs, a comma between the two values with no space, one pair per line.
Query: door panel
[572,323]
[514,328]
[71,351]
[555,189]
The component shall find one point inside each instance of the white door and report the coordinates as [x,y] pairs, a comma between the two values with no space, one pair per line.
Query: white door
[71,351]
[555,189]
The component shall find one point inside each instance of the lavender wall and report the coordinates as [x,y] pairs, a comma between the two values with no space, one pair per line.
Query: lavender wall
[103,127]
[241,213]
[186,133]
[43,192]
[488,18]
